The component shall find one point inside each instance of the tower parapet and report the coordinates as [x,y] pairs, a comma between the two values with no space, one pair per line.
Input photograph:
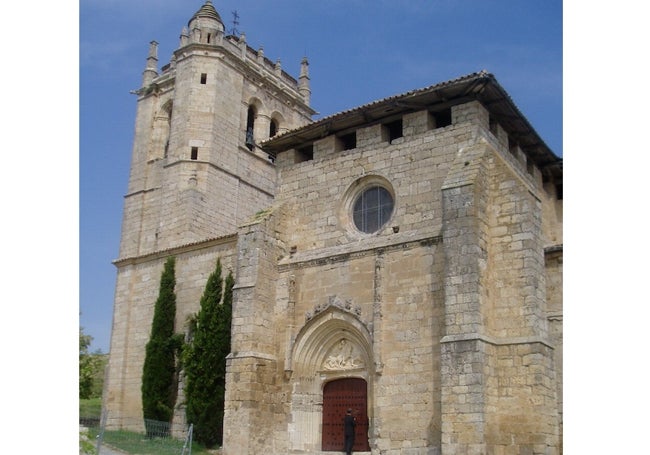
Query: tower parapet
[205,32]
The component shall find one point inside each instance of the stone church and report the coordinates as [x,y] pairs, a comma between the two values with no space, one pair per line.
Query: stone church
[402,258]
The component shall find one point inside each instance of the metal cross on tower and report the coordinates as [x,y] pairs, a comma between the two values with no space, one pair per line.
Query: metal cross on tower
[235,23]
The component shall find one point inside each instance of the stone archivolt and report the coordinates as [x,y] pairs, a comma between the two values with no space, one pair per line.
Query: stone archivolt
[335,339]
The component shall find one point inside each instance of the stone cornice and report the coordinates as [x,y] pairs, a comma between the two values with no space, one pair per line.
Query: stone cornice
[175,250]
[225,171]
[554,249]
[338,254]
[494,341]
[230,53]
[251,355]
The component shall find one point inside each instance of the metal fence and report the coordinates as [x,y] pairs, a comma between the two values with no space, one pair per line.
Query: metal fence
[136,436]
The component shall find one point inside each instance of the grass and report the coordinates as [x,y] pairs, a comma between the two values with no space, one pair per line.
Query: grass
[128,441]
[131,442]
[91,407]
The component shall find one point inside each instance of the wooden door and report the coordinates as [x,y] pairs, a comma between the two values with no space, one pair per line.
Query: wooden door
[338,396]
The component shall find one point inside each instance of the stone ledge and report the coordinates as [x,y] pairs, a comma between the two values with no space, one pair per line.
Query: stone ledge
[175,250]
[494,341]
[251,354]
[341,254]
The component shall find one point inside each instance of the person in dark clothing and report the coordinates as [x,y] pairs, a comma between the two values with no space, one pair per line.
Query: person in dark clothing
[349,422]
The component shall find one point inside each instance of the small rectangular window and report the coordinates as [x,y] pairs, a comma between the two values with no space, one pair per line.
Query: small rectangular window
[394,130]
[442,118]
[195,153]
[304,154]
[204,78]
[349,141]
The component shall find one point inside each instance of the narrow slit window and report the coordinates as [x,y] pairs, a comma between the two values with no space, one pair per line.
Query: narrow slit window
[512,145]
[204,78]
[194,154]
[493,126]
[530,166]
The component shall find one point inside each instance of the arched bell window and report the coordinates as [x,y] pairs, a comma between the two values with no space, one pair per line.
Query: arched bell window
[250,128]
[273,127]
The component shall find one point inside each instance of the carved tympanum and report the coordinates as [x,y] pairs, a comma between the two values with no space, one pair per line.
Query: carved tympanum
[343,356]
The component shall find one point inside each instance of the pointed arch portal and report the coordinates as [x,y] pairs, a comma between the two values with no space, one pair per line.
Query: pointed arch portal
[332,368]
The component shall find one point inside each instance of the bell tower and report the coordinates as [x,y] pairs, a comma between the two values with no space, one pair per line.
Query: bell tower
[196,170]
[197,174]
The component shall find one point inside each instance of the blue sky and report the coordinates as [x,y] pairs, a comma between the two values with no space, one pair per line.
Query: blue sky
[359,51]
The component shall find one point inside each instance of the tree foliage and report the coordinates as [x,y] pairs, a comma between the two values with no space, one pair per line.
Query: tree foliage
[86,367]
[159,374]
[91,366]
[205,360]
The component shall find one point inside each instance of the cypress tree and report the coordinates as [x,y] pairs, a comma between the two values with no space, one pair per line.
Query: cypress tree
[205,360]
[159,380]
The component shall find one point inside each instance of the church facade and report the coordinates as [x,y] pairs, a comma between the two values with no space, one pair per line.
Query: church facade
[402,258]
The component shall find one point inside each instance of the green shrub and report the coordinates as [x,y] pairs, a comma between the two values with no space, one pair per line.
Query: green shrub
[159,373]
[204,360]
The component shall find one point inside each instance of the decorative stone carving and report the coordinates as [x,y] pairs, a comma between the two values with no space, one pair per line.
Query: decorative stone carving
[334,301]
[343,356]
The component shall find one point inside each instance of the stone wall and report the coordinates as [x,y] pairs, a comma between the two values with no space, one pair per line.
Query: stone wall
[499,375]
[138,283]
[445,306]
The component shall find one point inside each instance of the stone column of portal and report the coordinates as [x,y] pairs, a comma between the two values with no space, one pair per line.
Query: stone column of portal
[250,372]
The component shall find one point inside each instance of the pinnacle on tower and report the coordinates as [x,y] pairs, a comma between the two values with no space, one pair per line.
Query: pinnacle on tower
[151,69]
[303,81]
[185,37]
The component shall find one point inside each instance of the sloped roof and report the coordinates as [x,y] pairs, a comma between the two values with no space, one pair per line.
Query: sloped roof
[481,86]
